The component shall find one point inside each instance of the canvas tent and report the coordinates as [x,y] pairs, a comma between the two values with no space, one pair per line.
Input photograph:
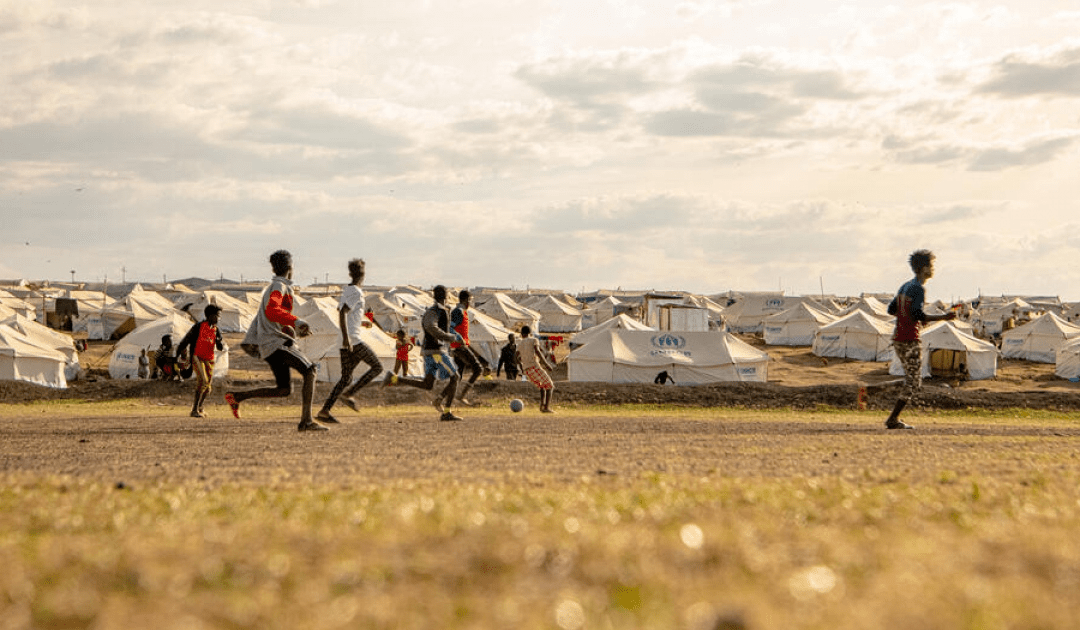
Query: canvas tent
[601,311]
[509,313]
[1067,363]
[858,335]
[796,326]
[23,359]
[46,337]
[236,315]
[556,316]
[748,313]
[1039,339]
[487,336]
[871,306]
[124,360]
[947,347]
[691,358]
[993,316]
[621,321]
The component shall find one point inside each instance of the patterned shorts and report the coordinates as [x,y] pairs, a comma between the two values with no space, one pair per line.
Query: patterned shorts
[910,355]
[440,365]
[537,376]
[204,373]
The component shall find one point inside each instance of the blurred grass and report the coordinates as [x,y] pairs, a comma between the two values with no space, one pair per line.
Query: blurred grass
[652,552]
[953,550]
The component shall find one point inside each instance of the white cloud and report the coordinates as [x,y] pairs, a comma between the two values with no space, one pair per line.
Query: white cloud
[708,145]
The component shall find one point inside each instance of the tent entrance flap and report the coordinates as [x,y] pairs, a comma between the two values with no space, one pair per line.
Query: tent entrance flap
[948,363]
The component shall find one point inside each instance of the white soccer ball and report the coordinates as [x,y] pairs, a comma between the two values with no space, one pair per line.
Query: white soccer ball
[516,405]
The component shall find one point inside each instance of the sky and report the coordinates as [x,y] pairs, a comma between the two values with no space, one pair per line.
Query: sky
[698,145]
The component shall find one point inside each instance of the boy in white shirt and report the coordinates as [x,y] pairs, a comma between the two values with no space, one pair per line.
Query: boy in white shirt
[353,350]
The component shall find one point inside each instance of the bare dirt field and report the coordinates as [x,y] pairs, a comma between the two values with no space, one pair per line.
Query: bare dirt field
[733,506]
[395,429]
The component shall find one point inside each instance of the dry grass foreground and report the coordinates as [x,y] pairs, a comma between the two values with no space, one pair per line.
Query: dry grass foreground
[129,514]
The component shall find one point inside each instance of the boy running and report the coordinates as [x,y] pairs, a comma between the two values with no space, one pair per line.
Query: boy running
[907,306]
[272,337]
[536,367]
[437,364]
[354,351]
[464,357]
[203,338]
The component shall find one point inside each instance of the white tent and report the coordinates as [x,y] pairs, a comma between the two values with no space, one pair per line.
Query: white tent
[858,335]
[691,358]
[323,345]
[622,321]
[556,316]
[796,326]
[1039,339]
[748,313]
[46,337]
[22,359]
[124,360]
[236,315]
[509,313]
[994,316]
[487,336]
[871,306]
[600,311]
[977,357]
[137,308]
[390,314]
[19,305]
[1068,360]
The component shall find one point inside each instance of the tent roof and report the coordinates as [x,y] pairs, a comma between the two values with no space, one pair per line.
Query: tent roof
[859,321]
[1046,324]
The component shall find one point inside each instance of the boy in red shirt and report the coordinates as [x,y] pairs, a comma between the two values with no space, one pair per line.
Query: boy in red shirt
[203,338]
[272,337]
[907,307]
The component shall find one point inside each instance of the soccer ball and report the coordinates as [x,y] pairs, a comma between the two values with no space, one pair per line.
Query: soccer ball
[516,405]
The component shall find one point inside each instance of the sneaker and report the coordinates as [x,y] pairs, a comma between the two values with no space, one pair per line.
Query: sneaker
[350,402]
[437,404]
[448,416]
[233,405]
[308,425]
[391,379]
[897,424]
[546,410]
[326,419]
[195,413]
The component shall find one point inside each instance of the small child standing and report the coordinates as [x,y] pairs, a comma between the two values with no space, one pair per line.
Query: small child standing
[402,348]
[144,365]
[203,338]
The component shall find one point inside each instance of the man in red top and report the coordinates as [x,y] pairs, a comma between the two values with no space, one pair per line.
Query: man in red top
[272,338]
[464,356]
[907,306]
[203,339]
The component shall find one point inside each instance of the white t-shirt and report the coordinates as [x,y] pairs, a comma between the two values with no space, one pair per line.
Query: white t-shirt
[353,297]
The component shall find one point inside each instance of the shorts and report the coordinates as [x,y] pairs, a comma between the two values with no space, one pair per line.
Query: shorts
[285,359]
[204,373]
[439,365]
[537,376]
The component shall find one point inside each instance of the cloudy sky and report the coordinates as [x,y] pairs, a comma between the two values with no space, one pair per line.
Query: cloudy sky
[698,144]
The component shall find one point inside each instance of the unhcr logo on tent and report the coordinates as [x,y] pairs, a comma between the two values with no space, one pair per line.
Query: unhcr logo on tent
[669,342]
